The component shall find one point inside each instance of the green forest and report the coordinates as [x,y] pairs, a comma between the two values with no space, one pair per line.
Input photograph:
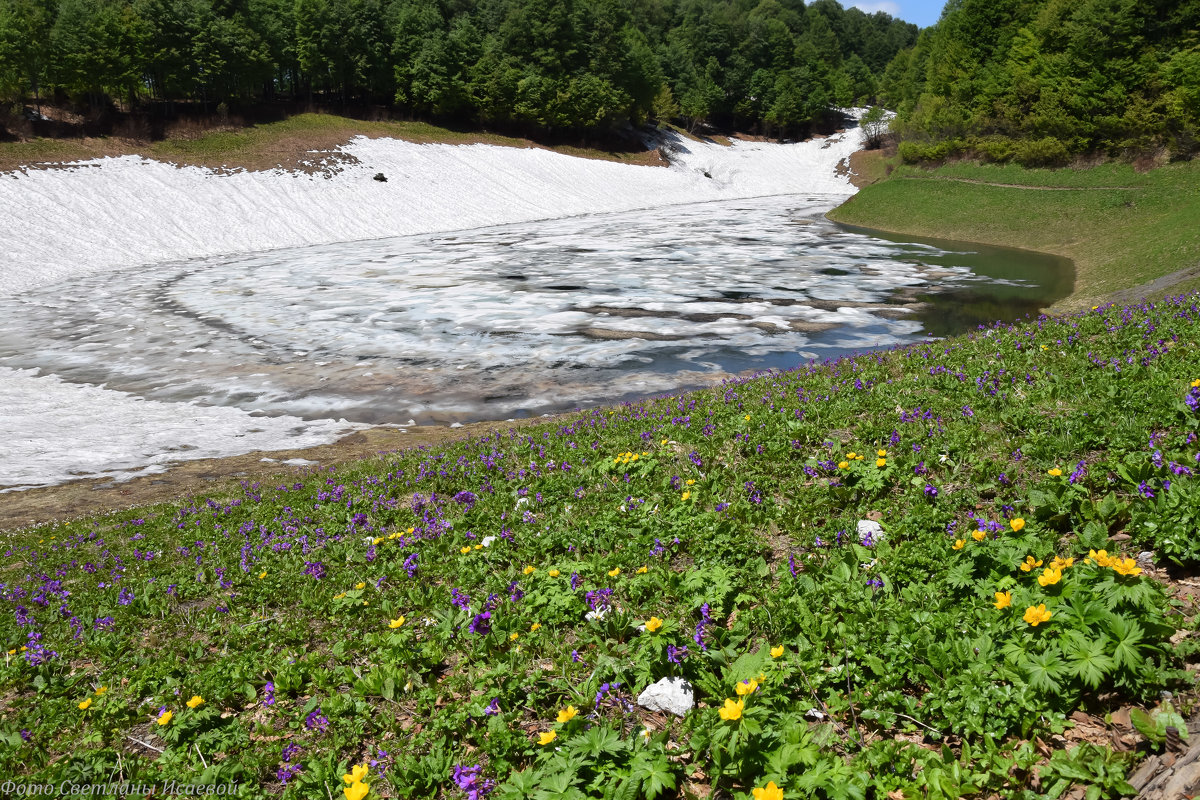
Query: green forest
[769,66]
[1044,81]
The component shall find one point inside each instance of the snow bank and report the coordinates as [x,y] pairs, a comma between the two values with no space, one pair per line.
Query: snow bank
[55,431]
[121,212]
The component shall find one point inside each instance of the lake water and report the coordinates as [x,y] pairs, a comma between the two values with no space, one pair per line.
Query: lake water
[519,319]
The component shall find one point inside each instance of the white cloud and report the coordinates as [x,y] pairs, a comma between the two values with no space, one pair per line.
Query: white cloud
[871,6]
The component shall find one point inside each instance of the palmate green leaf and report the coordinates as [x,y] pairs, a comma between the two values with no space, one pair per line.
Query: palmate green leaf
[654,772]
[598,741]
[1044,670]
[1127,635]
[1088,660]
[961,575]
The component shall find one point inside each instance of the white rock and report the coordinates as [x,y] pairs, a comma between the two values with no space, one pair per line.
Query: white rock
[669,694]
[868,527]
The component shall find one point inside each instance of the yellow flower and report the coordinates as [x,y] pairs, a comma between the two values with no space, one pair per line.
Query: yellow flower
[664,441]
[357,774]
[747,417]
[958,543]
[858,458]
[101,691]
[1062,563]
[643,570]
[654,624]
[1029,563]
[339,596]
[843,465]
[881,453]
[356,791]
[165,717]
[979,536]
[567,714]
[633,457]
[1125,566]
[196,701]
[397,622]
[881,462]
[1101,557]
[528,570]
[377,540]
[691,482]
[465,550]
[1017,524]
[851,456]
[12,652]
[547,737]
[1196,384]
[534,627]
[732,711]
[614,572]
[768,792]
[686,495]
[410,530]
[1035,615]
[554,573]
[776,651]
[1049,576]
[360,585]
[513,636]
[1054,473]
[746,687]
[262,574]
[85,705]
[1003,599]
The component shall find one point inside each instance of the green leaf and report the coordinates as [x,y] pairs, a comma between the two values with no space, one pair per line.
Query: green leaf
[1088,660]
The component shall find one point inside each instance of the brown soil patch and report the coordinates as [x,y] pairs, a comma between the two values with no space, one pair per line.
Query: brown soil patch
[215,477]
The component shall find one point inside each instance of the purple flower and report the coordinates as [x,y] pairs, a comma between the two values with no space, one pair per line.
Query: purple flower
[290,751]
[701,634]
[575,581]
[125,597]
[468,780]
[36,653]
[599,599]
[315,569]
[931,491]
[269,700]
[493,708]
[465,499]
[286,772]
[460,600]
[575,657]
[316,721]
[676,654]
[482,624]
[410,565]
[1145,491]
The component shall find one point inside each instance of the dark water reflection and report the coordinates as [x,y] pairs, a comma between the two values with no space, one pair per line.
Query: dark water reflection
[1020,283]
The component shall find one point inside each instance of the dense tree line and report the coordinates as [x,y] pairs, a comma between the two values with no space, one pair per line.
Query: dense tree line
[774,65]
[1042,81]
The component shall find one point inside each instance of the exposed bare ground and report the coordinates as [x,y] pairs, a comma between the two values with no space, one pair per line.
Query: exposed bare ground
[215,477]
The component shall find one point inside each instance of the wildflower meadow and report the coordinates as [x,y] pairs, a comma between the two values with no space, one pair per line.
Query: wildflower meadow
[921,573]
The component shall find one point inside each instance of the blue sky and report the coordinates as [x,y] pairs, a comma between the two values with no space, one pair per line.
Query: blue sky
[922,12]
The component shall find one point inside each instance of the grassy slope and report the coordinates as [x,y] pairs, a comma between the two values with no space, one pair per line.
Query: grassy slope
[1119,238]
[273,606]
[285,143]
